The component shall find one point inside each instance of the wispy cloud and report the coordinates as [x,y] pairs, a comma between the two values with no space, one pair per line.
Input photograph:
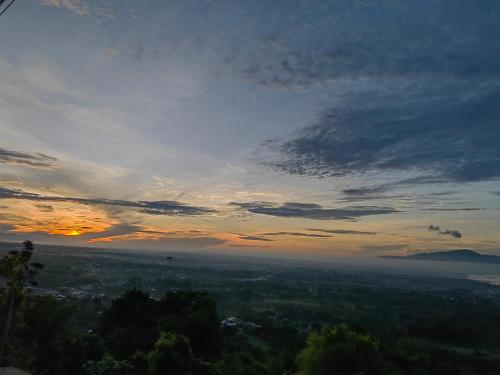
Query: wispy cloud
[27,159]
[124,233]
[77,6]
[168,208]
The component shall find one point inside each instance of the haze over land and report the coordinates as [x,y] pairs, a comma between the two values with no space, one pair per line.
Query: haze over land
[285,128]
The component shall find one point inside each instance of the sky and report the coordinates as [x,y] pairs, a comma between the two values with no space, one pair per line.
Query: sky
[314,128]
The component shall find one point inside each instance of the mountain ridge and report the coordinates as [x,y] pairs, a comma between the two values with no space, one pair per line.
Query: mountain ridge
[459,255]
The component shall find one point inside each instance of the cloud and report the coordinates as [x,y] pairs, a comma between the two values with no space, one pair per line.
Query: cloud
[262,236]
[453,141]
[437,229]
[316,42]
[169,208]
[363,191]
[255,238]
[33,160]
[297,234]
[407,89]
[342,231]
[381,191]
[76,6]
[129,235]
[117,230]
[132,235]
[44,207]
[453,209]
[312,211]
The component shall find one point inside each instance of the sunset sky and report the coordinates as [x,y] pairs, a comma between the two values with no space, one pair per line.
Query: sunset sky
[297,127]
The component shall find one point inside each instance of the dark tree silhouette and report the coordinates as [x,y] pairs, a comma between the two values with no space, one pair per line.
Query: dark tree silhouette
[18,273]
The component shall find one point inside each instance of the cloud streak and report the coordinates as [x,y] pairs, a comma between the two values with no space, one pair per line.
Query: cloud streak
[312,211]
[33,160]
[443,209]
[343,231]
[168,208]
[297,234]
[255,238]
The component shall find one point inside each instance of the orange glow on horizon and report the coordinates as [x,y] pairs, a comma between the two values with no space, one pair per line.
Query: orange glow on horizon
[61,220]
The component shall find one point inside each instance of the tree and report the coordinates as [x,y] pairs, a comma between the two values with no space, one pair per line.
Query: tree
[338,350]
[171,355]
[130,324]
[47,326]
[134,309]
[193,314]
[18,273]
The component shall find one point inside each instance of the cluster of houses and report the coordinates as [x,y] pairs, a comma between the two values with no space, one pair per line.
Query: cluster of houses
[237,323]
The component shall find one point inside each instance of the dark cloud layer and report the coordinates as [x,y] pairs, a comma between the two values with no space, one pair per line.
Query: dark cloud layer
[169,208]
[456,141]
[316,41]
[34,160]
[438,230]
[312,211]
[419,87]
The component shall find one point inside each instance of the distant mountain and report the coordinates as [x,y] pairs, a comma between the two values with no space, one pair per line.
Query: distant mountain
[461,255]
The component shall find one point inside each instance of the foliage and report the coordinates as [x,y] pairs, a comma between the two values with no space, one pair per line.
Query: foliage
[135,320]
[339,350]
[194,314]
[172,352]
[107,366]
[130,324]
[17,269]
[241,363]
[17,272]
[390,331]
